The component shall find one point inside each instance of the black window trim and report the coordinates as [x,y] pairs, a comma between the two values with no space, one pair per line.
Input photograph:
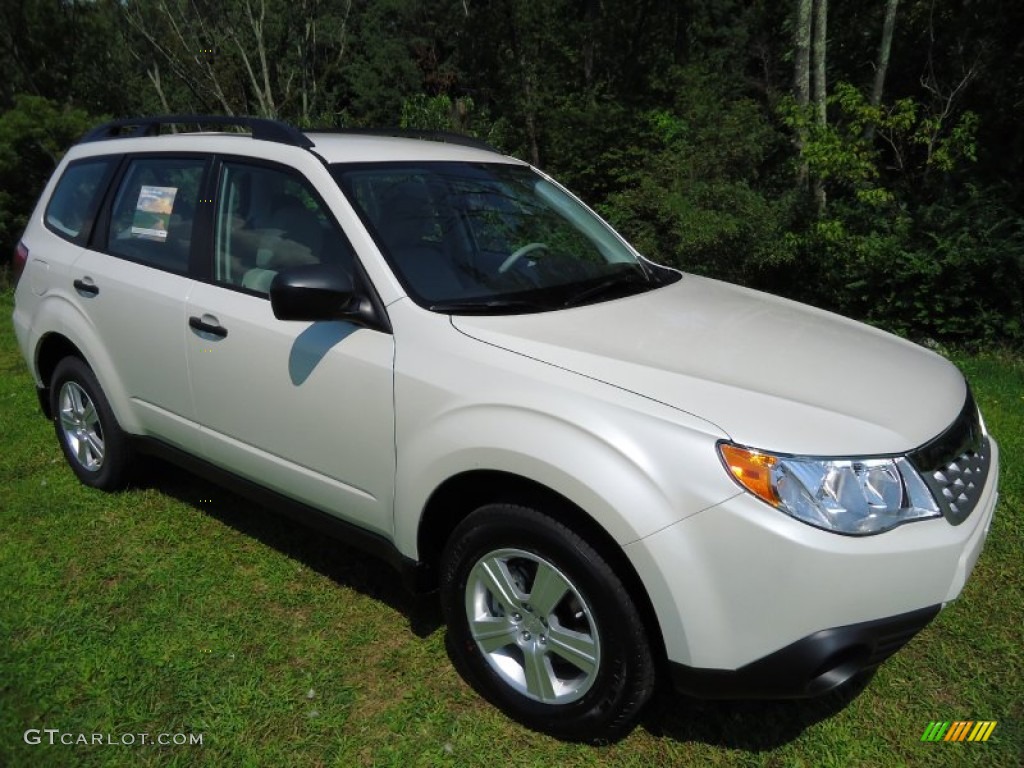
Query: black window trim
[201,253]
[99,239]
[222,159]
[361,277]
[84,235]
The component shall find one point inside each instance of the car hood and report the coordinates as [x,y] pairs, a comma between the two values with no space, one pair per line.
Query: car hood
[771,373]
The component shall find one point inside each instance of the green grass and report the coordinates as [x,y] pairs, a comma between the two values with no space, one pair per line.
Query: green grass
[177,607]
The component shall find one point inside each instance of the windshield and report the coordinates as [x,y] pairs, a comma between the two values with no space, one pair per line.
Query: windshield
[475,237]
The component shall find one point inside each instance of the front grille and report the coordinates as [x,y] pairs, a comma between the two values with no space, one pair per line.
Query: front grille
[955,464]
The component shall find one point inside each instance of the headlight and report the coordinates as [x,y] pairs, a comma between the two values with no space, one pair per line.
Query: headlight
[853,496]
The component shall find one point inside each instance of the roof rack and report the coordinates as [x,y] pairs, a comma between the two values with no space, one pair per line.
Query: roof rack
[448,137]
[261,128]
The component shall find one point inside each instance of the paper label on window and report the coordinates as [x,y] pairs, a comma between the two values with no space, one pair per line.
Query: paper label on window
[153,212]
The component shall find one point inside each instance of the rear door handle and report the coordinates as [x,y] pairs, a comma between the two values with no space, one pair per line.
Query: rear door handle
[201,324]
[86,287]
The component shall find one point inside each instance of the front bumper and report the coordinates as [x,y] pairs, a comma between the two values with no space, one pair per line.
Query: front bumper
[809,667]
[741,588]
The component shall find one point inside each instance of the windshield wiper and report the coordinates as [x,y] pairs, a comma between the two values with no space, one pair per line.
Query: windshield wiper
[488,306]
[614,284]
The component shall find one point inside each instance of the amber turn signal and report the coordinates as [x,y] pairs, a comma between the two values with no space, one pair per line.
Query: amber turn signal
[752,470]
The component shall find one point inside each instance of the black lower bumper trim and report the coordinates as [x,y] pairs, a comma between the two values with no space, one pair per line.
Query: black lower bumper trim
[809,667]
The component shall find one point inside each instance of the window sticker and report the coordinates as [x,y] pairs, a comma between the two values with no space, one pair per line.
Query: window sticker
[153,212]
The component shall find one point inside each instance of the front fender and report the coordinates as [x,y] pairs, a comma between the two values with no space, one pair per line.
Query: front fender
[615,464]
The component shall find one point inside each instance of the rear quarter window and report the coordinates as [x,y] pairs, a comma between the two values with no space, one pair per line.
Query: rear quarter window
[76,198]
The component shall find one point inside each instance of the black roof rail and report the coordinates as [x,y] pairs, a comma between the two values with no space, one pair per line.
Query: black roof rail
[448,137]
[261,128]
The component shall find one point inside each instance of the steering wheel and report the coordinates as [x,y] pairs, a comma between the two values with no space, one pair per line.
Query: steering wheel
[518,253]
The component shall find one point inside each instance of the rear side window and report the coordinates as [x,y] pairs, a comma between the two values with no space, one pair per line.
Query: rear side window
[155,210]
[76,198]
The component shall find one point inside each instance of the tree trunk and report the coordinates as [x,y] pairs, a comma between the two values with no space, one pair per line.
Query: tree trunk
[593,9]
[267,99]
[530,111]
[818,46]
[519,39]
[883,52]
[819,86]
[802,79]
[154,77]
[802,53]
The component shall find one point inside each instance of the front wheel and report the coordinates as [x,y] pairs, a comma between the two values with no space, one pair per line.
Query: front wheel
[539,624]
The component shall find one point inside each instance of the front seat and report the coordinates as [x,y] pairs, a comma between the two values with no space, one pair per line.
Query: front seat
[301,237]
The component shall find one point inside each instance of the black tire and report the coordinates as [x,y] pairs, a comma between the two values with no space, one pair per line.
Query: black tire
[527,669]
[96,448]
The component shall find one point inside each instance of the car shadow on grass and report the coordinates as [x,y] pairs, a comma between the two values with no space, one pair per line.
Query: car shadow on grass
[750,726]
[345,565]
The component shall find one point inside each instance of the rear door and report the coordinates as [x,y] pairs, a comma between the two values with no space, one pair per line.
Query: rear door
[132,282]
[303,408]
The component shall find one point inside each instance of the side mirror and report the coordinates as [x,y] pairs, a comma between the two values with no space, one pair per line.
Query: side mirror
[319,292]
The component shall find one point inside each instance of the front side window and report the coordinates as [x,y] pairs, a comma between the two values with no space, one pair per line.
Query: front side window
[155,210]
[491,237]
[76,198]
[269,219]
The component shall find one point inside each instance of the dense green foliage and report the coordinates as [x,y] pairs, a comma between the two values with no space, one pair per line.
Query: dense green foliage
[677,120]
[33,136]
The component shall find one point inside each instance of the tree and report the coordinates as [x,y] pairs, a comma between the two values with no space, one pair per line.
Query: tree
[698,201]
[884,51]
[66,51]
[810,88]
[311,61]
[34,134]
[819,86]
[802,53]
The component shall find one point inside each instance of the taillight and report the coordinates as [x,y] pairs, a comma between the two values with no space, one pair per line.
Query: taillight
[20,260]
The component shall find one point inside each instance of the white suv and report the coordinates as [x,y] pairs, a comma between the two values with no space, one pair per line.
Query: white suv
[614,472]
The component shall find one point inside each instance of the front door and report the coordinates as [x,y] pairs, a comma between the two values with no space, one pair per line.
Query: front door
[303,408]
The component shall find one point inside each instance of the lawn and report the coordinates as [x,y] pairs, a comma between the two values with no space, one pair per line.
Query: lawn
[177,608]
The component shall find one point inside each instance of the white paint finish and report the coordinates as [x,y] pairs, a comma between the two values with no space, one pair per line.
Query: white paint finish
[131,332]
[38,276]
[139,319]
[304,408]
[38,312]
[772,373]
[617,406]
[632,464]
[742,580]
[57,313]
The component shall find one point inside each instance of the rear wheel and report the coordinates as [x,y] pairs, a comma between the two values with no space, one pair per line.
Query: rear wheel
[92,441]
[539,623]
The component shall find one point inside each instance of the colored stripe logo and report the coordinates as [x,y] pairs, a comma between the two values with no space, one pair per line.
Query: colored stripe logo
[959,730]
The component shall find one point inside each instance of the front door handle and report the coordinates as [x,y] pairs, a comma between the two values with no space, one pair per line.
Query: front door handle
[86,287]
[214,328]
